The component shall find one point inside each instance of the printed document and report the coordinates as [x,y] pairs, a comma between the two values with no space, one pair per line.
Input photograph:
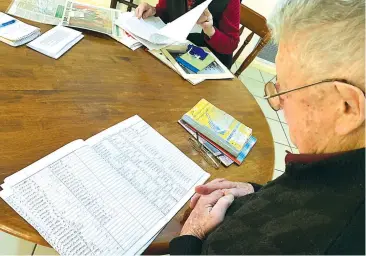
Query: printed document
[108,195]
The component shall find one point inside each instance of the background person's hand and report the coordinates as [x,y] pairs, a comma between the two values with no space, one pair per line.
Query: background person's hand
[208,214]
[144,10]
[237,189]
[206,22]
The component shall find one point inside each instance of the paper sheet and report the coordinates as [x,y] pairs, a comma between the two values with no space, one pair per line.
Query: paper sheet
[180,28]
[151,31]
[109,195]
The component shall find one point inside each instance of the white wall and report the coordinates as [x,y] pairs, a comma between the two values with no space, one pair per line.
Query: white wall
[263,7]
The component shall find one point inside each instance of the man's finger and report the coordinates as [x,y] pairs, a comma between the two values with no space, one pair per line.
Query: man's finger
[197,196]
[194,200]
[210,187]
[221,206]
[239,192]
[212,198]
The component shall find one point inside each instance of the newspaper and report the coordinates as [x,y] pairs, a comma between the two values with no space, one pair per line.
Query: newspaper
[78,15]
[42,11]
[98,19]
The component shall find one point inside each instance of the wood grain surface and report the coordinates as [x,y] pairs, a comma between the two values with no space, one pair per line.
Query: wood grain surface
[46,103]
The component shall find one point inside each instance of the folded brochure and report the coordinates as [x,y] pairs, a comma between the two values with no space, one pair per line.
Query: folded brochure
[218,126]
[193,63]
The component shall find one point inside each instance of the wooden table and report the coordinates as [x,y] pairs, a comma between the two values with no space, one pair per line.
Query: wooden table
[46,103]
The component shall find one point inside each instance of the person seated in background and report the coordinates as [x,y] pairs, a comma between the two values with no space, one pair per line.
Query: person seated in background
[220,23]
[318,205]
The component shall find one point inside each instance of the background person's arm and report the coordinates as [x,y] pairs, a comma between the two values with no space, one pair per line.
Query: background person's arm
[161,9]
[226,37]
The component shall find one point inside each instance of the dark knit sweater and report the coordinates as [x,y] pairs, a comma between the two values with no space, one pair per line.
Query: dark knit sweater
[314,208]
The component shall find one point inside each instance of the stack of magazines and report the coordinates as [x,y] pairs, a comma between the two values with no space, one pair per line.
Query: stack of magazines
[219,133]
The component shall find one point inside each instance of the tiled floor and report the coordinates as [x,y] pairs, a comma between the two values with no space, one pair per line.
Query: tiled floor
[254,80]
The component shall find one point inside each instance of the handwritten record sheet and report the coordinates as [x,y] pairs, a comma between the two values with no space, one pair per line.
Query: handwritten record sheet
[108,195]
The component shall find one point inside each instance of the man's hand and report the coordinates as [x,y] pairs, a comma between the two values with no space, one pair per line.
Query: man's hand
[144,10]
[206,22]
[208,214]
[237,189]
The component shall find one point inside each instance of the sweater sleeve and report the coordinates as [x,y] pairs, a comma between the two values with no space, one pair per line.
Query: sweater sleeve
[161,9]
[256,186]
[185,245]
[227,37]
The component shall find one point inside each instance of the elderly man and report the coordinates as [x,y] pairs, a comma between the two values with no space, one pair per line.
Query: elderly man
[318,205]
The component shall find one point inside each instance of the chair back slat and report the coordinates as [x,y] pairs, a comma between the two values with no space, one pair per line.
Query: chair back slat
[241,30]
[258,25]
[129,4]
[246,42]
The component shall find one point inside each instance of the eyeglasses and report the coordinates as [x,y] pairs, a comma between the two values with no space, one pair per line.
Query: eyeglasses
[271,93]
[207,155]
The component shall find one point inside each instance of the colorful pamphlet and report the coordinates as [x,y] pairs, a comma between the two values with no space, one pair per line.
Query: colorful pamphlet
[218,126]
[195,62]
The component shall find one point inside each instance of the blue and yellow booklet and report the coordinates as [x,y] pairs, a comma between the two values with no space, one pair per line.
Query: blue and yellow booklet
[218,126]
[193,63]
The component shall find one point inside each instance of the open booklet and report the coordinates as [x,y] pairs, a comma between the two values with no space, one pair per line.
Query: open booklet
[160,56]
[110,194]
[216,70]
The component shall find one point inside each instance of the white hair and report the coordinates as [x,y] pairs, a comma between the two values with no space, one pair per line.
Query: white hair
[330,35]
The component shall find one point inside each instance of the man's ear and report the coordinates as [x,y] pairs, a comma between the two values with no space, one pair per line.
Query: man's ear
[352,113]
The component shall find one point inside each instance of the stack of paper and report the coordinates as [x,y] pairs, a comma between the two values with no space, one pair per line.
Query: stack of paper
[144,30]
[55,42]
[126,39]
[155,34]
[15,32]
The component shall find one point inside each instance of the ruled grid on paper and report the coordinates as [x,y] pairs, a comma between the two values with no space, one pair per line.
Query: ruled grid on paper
[110,196]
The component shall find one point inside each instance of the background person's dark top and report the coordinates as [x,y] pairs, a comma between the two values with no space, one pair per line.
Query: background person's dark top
[313,208]
[176,8]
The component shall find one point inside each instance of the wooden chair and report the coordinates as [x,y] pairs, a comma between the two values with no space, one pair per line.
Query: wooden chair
[258,25]
[129,4]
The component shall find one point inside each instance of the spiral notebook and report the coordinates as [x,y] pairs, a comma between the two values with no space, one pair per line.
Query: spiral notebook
[17,33]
